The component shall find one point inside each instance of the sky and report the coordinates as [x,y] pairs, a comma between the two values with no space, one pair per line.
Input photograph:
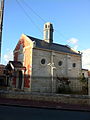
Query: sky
[70,19]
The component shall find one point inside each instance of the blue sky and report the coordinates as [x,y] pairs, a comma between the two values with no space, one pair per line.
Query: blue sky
[70,18]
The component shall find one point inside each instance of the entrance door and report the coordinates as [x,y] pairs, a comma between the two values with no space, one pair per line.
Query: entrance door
[20,80]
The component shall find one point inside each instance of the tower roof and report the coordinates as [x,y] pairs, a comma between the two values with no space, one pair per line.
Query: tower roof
[48,23]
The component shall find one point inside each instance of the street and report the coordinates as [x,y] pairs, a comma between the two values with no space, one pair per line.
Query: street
[27,113]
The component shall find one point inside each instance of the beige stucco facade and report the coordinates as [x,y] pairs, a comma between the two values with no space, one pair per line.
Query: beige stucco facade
[44,77]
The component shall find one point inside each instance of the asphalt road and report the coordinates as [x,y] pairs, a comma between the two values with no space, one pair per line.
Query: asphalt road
[24,113]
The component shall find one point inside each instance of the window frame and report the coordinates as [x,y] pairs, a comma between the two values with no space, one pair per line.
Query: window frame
[45,61]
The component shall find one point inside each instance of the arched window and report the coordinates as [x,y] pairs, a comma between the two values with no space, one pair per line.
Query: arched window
[45,26]
[74,64]
[60,63]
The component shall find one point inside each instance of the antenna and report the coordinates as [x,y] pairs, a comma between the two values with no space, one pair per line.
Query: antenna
[1,22]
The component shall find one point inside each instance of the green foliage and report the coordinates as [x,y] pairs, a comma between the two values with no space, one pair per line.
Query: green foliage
[63,89]
[84,82]
[82,79]
[63,85]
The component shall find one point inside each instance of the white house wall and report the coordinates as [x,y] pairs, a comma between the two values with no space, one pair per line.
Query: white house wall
[42,74]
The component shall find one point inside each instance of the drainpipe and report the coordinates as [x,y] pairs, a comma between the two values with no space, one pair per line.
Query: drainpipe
[52,70]
[52,67]
[22,80]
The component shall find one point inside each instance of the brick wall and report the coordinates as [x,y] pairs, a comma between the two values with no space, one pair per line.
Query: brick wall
[58,98]
[23,53]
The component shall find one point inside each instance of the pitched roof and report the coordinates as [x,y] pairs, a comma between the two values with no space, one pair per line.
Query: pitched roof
[53,46]
[16,64]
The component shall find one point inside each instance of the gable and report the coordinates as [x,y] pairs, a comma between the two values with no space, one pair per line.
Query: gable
[23,42]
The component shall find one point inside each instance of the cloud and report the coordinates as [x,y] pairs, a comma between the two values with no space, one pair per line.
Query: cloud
[7,57]
[75,47]
[72,41]
[86,59]
[85,55]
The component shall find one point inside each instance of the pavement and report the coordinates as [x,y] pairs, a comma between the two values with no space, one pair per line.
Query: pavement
[43,104]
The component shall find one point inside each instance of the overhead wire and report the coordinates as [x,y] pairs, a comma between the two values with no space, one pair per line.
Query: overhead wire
[18,2]
[34,11]
[43,20]
[62,35]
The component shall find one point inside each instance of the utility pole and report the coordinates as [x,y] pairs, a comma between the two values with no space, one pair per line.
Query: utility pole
[1,22]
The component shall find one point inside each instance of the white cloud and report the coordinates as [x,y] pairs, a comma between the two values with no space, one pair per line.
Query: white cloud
[7,57]
[86,59]
[72,41]
[85,55]
[75,47]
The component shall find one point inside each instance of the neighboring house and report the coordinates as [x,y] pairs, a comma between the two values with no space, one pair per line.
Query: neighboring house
[85,81]
[85,73]
[88,73]
[46,63]
[2,76]
[14,71]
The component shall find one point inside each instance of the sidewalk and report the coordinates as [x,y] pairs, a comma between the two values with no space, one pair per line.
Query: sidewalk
[43,104]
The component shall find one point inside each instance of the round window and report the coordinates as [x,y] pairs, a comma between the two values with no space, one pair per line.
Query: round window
[43,61]
[60,63]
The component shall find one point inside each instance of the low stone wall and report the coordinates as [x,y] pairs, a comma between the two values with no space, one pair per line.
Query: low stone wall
[57,98]
[89,86]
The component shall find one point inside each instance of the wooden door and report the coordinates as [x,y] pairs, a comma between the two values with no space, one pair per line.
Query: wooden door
[20,80]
